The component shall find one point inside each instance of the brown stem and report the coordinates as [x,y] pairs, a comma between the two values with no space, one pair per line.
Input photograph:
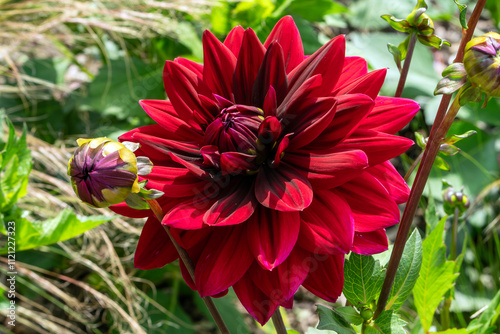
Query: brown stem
[279,325]
[413,166]
[441,126]
[184,256]
[406,65]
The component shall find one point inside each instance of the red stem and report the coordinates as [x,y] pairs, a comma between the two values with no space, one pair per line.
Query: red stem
[406,65]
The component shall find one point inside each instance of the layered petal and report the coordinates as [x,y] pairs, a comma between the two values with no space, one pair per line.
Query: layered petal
[326,277]
[286,34]
[369,243]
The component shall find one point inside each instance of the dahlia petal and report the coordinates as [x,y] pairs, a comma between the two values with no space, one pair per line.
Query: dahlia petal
[288,303]
[270,103]
[283,188]
[312,118]
[390,114]
[349,112]
[354,67]
[285,33]
[193,166]
[327,62]
[297,96]
[194,67]
[234,40]
[254,300]
[225,259]
[188,150]
[271,73]
[378,146]
[369,243]
[327,225]
[188,214]
[327,280]
[372,206]
[163,113]
[389,177]
[329,169]
[175,182]
[368,84]
[194,254]
[124,210]
[282,146]
[247,67]
[281,283]
[233,208]
[183,87]
[154,249]
[272,235]
[219,66]
[236,162]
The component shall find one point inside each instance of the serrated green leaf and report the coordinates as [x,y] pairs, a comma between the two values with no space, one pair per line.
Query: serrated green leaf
[329,319]
[350,314]
[363,278]
[407,272]
[436,276]
[441,164]
[463,14]
[387,322]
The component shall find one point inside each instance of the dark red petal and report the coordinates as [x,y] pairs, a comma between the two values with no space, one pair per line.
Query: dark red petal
[368,84]
[163,113]
[327,225]
[390,114]
[272,235]
[188,239]
[124,210]
[308,120]
[196,68]
[288,303]
[234,39]
[175,182]
[386,174]
[285,32]
[247,67]
[225,259]
[349,112]
[271,74]
[281,283]
[327,62]
[280,150]
[254,300]
[270,103]
[378,146]
[234,207]
[283,188]
[372,206]
[326,278]
[330,168]
[269,130]
[194,254]
[188,215]
[183,87]
[237,162]
[354,67]
[193,166]
[188,150]
[369,243]
[298,96]
[154,249]
[219,65]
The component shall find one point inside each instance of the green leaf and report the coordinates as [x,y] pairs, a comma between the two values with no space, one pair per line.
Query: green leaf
[463,14]
[407,272]
[394,50]
[387,322]
[397,24]
[454,331]
[433,41]
[329,319]
[486,323]
[363,278]
[65,226]
[431,217]
[315,10]
[456,138]
[403,47]
[448,149]
[421,140]
[441,164]
[350,314]
[436,276]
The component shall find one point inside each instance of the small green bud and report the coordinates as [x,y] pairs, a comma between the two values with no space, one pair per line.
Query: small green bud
[455,199]
[482,63]
[366,314]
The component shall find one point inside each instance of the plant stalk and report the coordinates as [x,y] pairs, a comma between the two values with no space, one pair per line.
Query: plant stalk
[413,166]
[184,256]
[279,325]
[406,65]
[441,126]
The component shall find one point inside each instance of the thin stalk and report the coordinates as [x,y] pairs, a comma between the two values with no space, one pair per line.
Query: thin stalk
[430,153]
[406,65]
[184,256]
[441,126]
[279,325]
[445,313]
[413,166]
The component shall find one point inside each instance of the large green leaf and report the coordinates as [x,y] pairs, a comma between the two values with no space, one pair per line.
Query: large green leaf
[329,319]
[407,272]
[388,322]
[436,276]
[363,278]
[65,226]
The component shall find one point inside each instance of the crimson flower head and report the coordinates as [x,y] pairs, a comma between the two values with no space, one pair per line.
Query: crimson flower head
[274,166]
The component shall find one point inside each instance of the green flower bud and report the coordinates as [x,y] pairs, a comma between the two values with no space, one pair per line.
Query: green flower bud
[482,63]
[455,199]
[366,314]
[103,172]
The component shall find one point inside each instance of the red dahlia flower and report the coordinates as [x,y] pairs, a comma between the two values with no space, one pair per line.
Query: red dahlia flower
[274,166]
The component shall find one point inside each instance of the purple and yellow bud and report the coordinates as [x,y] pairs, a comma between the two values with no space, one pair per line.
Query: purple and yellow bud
[482,63]
[103,172]
[455,200]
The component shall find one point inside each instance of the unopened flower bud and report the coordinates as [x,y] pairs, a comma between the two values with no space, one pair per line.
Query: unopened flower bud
[482,63]
[455,199]
[103,172]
